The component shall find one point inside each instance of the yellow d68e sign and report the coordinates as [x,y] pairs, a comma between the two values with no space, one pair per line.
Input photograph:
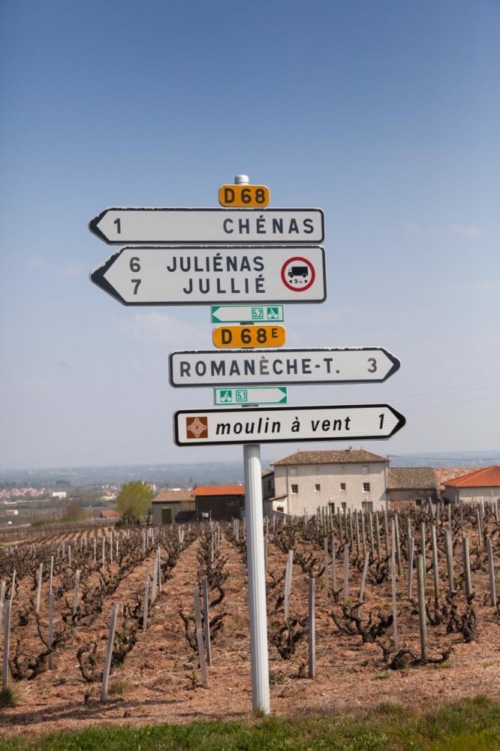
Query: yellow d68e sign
[249,336]
[244,196]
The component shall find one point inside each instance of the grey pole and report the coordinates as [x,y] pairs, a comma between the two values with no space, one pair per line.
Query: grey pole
[256,579]
[256,566]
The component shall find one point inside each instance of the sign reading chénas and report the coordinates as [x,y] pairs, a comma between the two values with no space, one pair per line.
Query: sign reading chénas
[118,226]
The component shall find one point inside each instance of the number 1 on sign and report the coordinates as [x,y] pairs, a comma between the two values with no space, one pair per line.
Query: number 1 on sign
[381,421]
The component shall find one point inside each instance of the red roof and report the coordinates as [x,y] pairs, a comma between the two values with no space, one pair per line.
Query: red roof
[219,490]
[489,477]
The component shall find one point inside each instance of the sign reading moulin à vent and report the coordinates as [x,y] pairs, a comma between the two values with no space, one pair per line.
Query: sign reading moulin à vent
[284,424]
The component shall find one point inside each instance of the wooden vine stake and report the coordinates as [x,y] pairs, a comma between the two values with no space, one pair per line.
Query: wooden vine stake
[491,572]
[77,587]
[393,585]
[153,583]
[6,646]
[467,574]
[325,556]
[109,654]
[312,627]
[51,574]
[363,578]
[398,545]
[435,570]
[206,619]
[2,602]
[50,638]
[334,564]
[411,549]
[199,637]
[421,606]
[346,573]
[449,560]
[39,588]
[146,601]
[288,583]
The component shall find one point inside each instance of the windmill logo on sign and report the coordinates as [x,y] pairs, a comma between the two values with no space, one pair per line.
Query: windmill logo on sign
[197,427]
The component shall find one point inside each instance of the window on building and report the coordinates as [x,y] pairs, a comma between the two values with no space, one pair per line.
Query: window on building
[342,486]
[418,501]
[317,486]
[364,469]
[269,484]
[331,506]
[295,488]
[344,505]
[280,509]
[367,506]
[366,487]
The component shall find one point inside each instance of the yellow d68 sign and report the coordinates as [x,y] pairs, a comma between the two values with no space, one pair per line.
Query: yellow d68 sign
[249,336]
[244,196]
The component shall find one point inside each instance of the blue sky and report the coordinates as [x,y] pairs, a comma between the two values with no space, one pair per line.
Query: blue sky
[386,115]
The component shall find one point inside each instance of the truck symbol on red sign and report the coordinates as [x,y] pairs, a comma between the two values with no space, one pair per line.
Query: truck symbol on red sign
[302,271]
[298,274]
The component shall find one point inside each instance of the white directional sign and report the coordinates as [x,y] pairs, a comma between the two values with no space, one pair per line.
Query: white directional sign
[281,366]
[263,395]
[248,313]
[200,276]
[117,226]
[283,424]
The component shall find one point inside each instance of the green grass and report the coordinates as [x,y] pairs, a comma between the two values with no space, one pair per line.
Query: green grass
[469,725]
[9,696]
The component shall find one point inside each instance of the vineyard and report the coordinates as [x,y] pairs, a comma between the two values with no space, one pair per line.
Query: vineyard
[151,625]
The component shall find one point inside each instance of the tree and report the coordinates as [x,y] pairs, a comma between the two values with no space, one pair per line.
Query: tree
[133,501]
[73,512]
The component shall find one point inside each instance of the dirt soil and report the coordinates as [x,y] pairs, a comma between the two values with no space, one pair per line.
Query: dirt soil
[160,682]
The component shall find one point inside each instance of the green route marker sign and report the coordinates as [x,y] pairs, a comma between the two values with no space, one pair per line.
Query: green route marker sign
[265,395]
[247,313]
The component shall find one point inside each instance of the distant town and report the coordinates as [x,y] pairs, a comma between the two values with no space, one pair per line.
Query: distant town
[37,495]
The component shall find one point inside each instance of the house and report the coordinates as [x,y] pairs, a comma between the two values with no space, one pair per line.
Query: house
[111,514]
[267,484]
[219,502]
[353,478]
[483,484]
[173,506]
[411,486]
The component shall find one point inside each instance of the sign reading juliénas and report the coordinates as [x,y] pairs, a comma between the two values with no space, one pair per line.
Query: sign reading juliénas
[160,275]
[117,226]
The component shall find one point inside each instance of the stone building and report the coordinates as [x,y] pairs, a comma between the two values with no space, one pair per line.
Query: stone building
[353,478]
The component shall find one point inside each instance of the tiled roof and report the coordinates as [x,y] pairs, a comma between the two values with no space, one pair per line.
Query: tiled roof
[444,474]
[489,477]
[267,472]
[108,513]
[219,490]
[411,478]
[171,496]
[350,456]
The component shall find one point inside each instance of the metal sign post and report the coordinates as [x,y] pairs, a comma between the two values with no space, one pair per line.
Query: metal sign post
[259,657]
[256,578]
